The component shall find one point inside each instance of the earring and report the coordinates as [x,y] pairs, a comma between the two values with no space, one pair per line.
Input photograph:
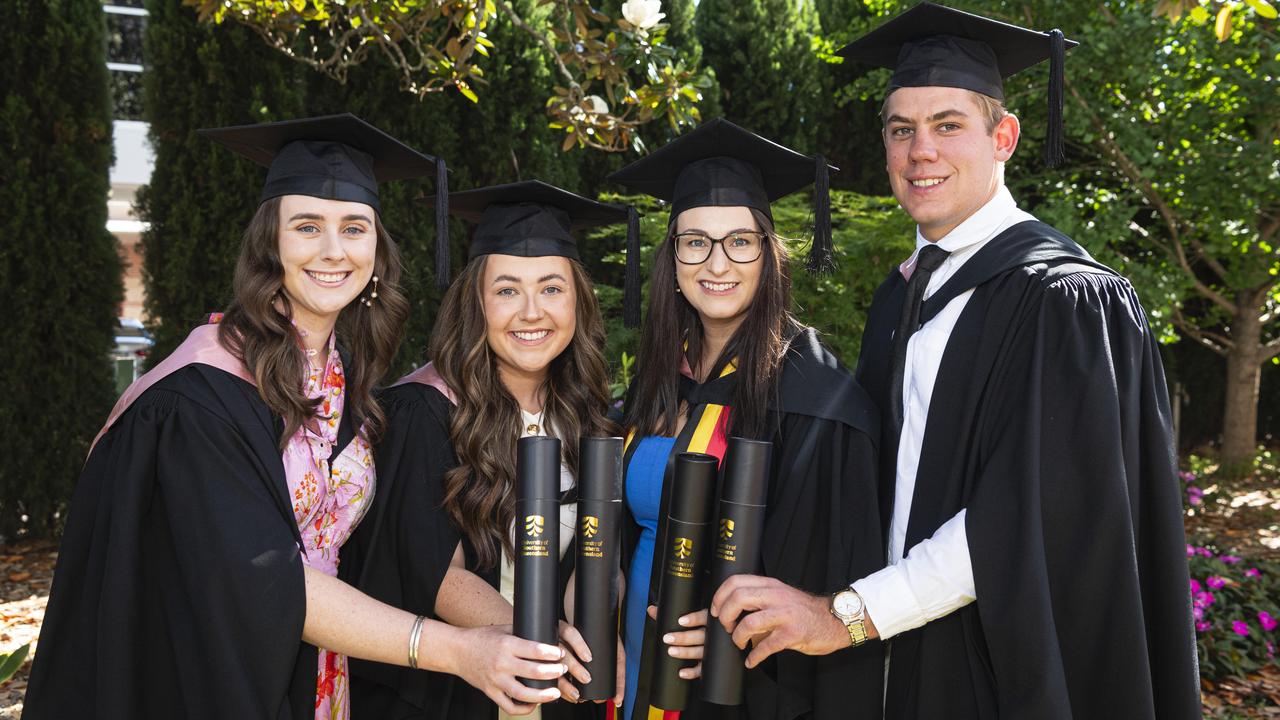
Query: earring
[368,301]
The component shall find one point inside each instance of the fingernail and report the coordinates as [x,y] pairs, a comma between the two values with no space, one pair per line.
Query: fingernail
[564,669]
[584,672]
[668,638]
[573,693]
[671,651]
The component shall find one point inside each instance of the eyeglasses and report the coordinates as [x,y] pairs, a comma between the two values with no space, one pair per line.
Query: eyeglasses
[740,246]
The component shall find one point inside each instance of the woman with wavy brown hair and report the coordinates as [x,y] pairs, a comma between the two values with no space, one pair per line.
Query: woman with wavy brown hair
[722,355]
[516,351]
[196,573]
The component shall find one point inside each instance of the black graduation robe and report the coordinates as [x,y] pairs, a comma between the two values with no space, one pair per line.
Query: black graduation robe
[179,587]
[822,529]
[400,555]
[1050,423]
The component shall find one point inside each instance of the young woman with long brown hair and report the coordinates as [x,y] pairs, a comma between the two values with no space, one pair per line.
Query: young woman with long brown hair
[196,574]
[722,355]
[516,351]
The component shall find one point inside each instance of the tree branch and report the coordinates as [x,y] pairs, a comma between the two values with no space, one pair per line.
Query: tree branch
[1271,350]
[1131,171]
[1220,344]
[543,41]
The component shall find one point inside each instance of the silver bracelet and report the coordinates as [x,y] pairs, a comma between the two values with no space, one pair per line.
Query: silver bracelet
[414,636]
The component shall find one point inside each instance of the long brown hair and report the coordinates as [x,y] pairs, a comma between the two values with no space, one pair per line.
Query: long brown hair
[257,328]
[480,491]
[759,344]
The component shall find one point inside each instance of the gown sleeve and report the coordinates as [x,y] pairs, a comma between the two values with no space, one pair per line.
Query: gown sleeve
[822,532]
[401,551]
[1074,519]
[179,587]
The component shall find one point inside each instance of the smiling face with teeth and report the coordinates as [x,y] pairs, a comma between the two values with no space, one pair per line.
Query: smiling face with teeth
[327,250]
[718,288]
[530,311]
[943,162]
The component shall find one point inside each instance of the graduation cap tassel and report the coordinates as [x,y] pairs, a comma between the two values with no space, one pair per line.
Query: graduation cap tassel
[631,292]
[1053,142]
[442,225]
[821,254]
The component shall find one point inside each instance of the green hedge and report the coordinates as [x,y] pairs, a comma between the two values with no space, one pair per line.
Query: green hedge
[59,267]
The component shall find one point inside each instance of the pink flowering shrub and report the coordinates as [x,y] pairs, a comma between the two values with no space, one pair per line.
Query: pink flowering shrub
[1235,604]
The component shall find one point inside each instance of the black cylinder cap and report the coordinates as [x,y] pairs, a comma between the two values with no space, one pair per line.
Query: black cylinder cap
[694,490]
[538,468]
[600,469]
[746,471]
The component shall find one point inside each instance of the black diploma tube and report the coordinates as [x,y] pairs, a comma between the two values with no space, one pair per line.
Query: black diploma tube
[739,530]
[537,543]
[595,590]
[692,501]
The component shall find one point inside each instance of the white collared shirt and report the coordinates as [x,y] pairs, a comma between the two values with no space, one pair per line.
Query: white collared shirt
[935,577]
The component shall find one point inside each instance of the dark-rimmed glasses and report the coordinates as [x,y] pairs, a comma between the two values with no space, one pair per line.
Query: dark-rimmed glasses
[693,247]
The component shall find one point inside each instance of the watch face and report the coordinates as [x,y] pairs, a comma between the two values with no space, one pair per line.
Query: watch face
[847,603]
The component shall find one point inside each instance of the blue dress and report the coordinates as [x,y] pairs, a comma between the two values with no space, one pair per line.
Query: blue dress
[644,499]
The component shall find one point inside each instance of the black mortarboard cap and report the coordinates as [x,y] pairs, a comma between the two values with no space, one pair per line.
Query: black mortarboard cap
[534,219]
[933,45]
[335,157]
[720,164]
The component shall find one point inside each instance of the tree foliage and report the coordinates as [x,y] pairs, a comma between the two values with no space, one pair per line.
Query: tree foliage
[201,197]
[616,75]
[59,267]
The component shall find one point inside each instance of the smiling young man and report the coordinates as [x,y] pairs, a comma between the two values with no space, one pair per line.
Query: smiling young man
[1036,564]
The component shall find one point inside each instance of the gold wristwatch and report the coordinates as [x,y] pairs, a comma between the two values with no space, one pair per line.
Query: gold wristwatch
[847,606]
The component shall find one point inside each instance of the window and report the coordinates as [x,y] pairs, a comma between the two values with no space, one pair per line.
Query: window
[126,23]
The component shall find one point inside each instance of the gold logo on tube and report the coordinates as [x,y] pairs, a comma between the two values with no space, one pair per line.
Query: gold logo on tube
[726,528]
[533,525]
[590,526]
[683,547]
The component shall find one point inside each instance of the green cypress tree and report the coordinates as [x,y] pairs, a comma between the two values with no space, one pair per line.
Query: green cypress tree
[768,75]
[201,197]
[59,267]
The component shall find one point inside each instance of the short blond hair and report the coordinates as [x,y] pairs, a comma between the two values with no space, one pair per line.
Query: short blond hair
[991,109]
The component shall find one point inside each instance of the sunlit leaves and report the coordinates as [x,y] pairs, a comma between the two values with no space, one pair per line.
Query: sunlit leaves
[437,45]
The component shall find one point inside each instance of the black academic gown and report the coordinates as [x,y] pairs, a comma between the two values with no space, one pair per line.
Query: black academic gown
[822,531]
[1049,423]
[400,555]
[179,586]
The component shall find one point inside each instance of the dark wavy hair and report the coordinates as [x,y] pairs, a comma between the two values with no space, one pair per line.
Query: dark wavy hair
[480,491]
[257,328]
[759,344]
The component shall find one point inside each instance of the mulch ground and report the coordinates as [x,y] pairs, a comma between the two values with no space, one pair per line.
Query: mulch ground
[1244,518]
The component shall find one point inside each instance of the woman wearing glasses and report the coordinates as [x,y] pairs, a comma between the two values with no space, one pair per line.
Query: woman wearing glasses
[723,356]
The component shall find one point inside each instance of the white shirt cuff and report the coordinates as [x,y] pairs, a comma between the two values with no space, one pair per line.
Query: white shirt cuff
[933,580]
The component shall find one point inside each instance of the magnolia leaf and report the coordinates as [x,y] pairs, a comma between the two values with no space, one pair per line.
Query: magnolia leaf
[467,92]
[1200,15]
[1263,8]
[1222,26]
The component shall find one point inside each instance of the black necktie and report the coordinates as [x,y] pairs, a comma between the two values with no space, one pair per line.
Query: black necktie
[929,259]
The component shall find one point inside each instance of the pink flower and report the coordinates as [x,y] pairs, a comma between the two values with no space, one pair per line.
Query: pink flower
[1204,552]
[1241,627]
[1271,649]
[1253,573]
[1197,612]
[1268,623]
[1229,559]
[1195,495]
[1215,582]
[1191,551]
[1202,626]
[1195,585]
